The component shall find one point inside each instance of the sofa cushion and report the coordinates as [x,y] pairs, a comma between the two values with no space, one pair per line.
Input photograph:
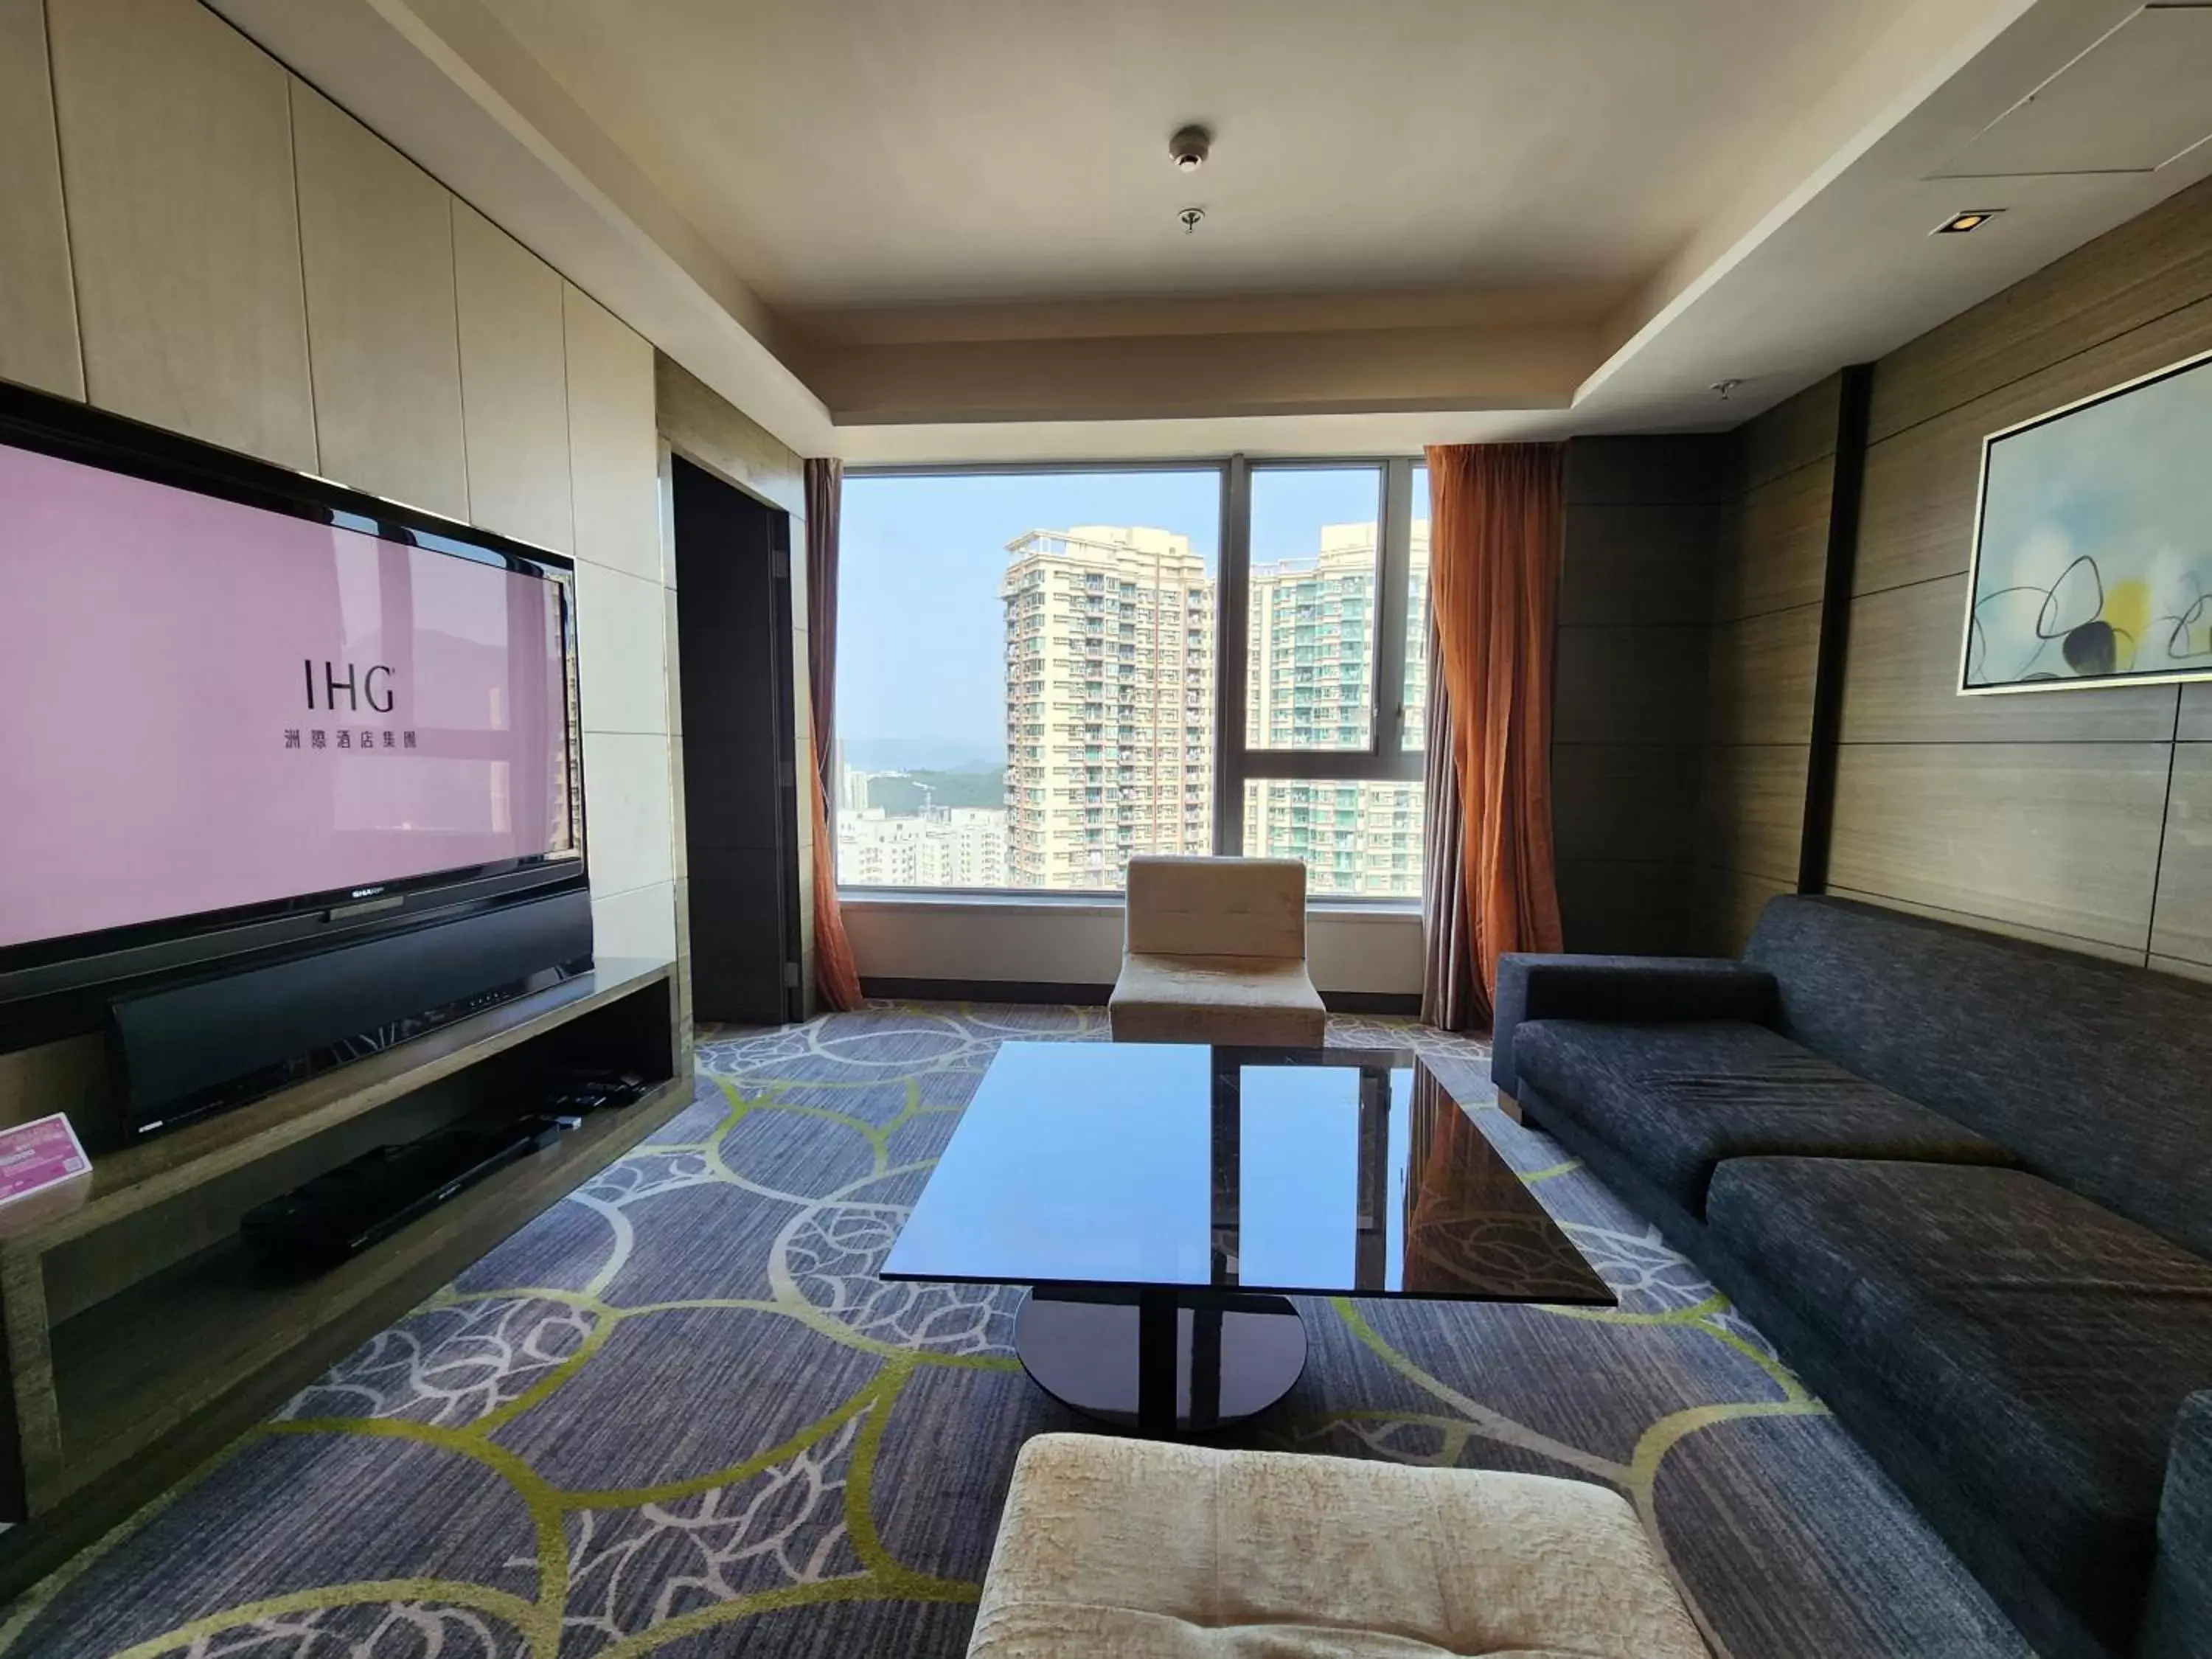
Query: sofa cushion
[1140,1549]
[1260,1001]
[1678,1097]
[2042,1345]
[2093,1072]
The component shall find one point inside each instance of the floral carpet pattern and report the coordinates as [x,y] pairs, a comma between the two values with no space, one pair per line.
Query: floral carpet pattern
[678,1414]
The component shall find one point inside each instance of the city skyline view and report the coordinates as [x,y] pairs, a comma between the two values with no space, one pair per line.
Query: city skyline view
[1089,645]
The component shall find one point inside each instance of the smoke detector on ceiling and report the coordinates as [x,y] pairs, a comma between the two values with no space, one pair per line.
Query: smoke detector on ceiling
[1189,148]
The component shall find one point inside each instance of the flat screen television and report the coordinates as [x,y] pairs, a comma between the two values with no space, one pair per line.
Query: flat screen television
[245,712]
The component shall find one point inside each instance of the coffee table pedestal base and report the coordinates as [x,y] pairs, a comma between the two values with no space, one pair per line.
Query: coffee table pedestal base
[1162,1362]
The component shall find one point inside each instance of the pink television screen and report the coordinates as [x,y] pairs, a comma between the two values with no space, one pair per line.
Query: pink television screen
[208,706]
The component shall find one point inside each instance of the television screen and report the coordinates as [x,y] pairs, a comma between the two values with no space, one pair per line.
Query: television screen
[207,705]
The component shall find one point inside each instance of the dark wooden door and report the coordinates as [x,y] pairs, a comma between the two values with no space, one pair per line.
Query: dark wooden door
[733,634]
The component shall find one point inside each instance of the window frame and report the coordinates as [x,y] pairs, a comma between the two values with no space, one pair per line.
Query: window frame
[1384,759]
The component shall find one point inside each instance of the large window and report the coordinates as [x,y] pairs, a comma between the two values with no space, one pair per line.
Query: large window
[1042,673]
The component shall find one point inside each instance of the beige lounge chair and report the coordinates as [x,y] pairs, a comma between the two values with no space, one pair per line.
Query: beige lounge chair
[1215,952]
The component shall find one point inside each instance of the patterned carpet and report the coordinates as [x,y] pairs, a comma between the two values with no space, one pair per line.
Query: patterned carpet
[677,1415]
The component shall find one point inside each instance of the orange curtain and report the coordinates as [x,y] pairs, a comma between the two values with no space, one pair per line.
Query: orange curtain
[1493,582]
[834,975]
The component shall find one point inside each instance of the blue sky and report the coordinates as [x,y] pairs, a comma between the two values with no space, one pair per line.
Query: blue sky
[921,632]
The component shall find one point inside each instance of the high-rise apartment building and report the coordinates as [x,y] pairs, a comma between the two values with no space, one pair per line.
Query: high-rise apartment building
[1310,684]
[1109,703]
[942,847]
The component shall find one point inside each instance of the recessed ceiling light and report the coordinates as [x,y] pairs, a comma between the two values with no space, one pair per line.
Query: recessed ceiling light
[1959,223]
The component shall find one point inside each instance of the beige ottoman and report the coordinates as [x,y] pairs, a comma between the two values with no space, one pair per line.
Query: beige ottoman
[1145,1550]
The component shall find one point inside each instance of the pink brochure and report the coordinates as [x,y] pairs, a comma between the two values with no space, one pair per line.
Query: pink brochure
[36,1156]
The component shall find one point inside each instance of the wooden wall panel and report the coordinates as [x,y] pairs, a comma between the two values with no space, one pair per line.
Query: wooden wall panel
[37,314]
[1752,816]
[622,624]
[376,239]
[176,150]
[1636,564]
[2060,836]
[2000,925]
[2117,284]
[1779,554]
[614,460]
[1760,689]
[2045,814]
[1917,520]
[1629,684]
[1624,802]
[1765,657]
[1900,683]
[1611,907]
[1729,903]
[702,425]
[2182,924]
[1647,472]
[1794,434]
[1641,522]
[2195,713]
[515,387]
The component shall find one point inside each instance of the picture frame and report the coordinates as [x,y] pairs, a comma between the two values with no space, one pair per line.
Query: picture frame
[2091,557]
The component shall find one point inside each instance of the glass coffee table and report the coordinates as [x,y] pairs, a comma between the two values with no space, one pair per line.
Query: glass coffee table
[1162,1201]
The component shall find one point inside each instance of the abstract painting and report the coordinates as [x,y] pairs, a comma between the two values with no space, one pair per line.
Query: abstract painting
[2093,547]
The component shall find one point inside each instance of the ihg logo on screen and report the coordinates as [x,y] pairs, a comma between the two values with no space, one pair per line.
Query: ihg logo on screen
[362,688]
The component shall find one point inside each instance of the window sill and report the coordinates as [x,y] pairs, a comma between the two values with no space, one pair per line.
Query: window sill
[1089,904]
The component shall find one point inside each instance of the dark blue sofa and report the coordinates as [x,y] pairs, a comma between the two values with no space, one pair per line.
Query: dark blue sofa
[1964,1184]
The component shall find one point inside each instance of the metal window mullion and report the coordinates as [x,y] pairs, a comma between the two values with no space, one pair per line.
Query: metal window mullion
[1393,572]
[1230,648]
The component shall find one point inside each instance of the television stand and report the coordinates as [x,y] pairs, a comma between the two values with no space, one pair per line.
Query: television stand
[142,1334]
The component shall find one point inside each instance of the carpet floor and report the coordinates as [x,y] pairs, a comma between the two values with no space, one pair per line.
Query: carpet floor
[678,1415]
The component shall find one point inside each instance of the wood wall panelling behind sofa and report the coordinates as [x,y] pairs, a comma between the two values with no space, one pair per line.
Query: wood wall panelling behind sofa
[1752,815]
[1759,685]
[1635,603]
[2132,276]
[1776,548]
[2068,816]
[1901,683]
[1762,665]
[2182,923]
[2196,725]
[1917,518]
[2061,837]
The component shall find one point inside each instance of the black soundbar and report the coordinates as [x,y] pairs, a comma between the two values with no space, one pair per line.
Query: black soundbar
[198,1048]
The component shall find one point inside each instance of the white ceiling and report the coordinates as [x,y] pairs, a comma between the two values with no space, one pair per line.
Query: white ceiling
[890,152]
[944,229]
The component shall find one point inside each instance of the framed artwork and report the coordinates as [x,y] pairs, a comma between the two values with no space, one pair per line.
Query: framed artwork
[2093,543]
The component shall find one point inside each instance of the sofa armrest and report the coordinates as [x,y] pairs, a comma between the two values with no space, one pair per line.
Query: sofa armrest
[2177,1621]
[1621,987]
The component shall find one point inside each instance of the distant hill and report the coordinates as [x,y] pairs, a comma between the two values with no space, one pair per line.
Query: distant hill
[905,754]
[902,796]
